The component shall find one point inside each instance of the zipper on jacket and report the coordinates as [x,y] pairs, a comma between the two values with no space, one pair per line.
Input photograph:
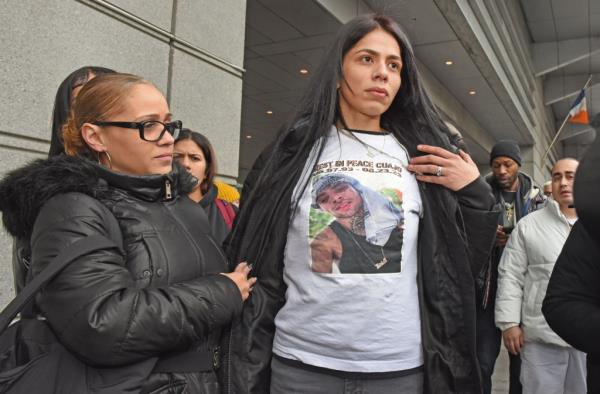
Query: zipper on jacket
[186,233]
[197,249]
[168,189]
[228,388]
[221,253]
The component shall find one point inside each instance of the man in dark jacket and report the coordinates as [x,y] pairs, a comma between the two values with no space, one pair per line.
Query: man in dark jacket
[516,196]
[572,303]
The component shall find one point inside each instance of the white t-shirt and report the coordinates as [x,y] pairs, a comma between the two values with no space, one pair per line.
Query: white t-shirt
[351,260]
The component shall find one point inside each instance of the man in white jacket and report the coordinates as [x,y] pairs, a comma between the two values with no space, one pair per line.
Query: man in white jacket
[549,365]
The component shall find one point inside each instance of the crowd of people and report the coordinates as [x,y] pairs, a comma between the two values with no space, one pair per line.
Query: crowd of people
[368,254]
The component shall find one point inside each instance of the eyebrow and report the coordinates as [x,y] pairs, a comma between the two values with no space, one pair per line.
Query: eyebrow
[167,116]
[372,52]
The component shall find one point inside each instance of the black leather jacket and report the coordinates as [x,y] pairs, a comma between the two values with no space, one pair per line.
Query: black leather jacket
[160,292]
[445,279]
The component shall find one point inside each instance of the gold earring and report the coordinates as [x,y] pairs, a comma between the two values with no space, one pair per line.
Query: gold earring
[108,157]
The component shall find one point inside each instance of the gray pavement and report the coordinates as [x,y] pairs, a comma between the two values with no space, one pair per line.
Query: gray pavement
[500,376]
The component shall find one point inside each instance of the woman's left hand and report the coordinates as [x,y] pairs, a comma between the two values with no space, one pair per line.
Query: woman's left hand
[439,166]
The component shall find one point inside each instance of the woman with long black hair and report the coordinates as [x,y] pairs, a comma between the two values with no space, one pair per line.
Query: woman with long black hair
[67,92]
[365,115]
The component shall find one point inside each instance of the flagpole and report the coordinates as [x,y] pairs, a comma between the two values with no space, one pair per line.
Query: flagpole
[563,124]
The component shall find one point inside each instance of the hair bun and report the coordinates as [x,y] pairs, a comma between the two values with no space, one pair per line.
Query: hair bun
[71,137]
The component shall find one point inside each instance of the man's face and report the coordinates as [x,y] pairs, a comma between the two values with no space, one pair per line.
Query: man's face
[563,175]
[506,171]
[341,200]
[548,189]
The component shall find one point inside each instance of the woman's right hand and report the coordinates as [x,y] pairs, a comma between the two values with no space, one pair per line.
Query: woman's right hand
[240,277]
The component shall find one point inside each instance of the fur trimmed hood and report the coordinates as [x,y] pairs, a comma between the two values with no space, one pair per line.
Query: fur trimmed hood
[24,191]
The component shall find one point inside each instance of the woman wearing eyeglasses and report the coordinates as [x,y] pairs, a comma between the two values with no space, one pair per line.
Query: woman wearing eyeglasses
[159,298]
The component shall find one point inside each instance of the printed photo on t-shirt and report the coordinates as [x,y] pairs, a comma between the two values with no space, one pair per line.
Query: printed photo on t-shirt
[356,220]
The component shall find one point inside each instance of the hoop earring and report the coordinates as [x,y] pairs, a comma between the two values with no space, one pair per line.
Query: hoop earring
[108,157]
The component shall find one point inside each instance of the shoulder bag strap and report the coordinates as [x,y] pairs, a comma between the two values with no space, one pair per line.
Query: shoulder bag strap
[77,249]
[227,212]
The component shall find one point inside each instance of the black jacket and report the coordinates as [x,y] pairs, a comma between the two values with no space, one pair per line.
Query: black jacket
[529,196]
[159,292]
[215,218]
[572,303]
[528,199]
[446,286]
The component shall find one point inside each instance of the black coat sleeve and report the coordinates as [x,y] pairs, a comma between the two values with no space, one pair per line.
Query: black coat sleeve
[252,338]
[479,220]
[248,369]
[254,173]
[95,306]
[572,303]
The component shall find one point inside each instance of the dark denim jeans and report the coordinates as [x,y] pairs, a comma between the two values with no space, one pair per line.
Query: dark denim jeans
[286,379]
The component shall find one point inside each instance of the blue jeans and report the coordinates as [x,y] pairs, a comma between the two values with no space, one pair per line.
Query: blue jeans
[288,379]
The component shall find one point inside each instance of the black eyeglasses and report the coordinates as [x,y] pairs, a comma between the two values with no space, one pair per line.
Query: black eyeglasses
[150,130]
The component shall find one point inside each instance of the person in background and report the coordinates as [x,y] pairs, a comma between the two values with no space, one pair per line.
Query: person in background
[195,153]
[365,235]
[548,189]
[516,196]
[572,302]
[548,364]
[66,93]
[228,193]
[365,115]
[160,298]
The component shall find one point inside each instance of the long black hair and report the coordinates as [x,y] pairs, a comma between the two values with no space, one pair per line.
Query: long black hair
[209,156]
[411,118]
[63,101]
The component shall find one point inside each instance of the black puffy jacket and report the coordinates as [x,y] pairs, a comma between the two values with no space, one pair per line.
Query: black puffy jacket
[159,293]
[572,303]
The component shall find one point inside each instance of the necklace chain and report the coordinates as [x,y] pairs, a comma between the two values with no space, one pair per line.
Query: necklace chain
[358,223]
[509,209]
[377,265]
[372,151]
